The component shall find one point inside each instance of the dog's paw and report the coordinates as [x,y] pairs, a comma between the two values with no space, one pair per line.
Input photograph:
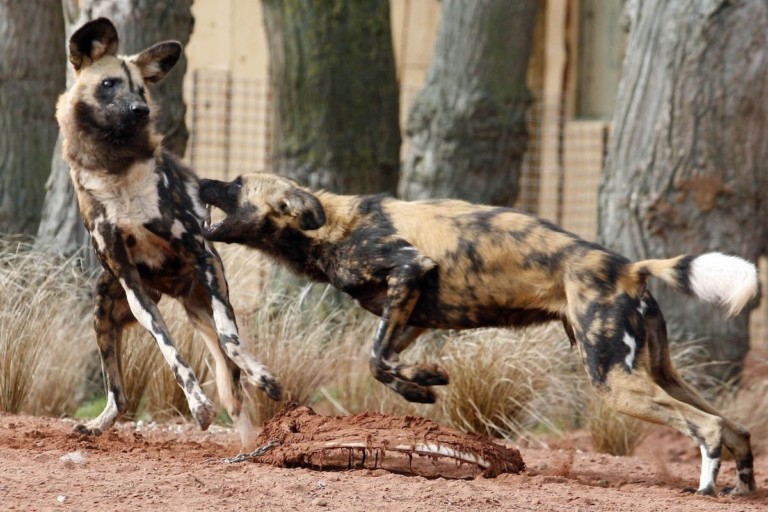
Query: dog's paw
[707,491]
[86,430]
[414,392]
[428,374]
[271,387]
[204,414]
[736,491]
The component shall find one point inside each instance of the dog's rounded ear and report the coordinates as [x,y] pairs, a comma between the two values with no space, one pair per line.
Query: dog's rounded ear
[91,42]
[305,207]
[156,61]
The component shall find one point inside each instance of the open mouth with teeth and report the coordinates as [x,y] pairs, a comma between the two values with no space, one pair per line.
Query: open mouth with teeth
[224,197]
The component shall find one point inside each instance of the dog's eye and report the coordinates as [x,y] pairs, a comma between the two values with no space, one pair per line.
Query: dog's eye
[108,83]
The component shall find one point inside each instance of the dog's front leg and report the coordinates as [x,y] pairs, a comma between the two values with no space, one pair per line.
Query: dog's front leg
[394,335]
[212,275]
[148,315]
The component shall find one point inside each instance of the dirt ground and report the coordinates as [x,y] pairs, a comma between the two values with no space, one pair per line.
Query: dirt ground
[44,466]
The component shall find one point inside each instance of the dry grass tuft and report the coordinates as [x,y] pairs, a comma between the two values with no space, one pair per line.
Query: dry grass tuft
[301,342]
[44,331]
[504,382]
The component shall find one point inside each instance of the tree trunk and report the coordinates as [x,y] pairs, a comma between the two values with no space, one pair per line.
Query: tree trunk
[335,94]
[467,126]
[31,78]
[687,162]
[140,23]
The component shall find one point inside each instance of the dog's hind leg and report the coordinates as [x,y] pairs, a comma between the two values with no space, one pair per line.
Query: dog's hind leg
[110,316]
[227,372]
[637,395]
[211,273]
[393,335]
[735,437]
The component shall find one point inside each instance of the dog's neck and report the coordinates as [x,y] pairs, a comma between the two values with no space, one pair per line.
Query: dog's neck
[342,214]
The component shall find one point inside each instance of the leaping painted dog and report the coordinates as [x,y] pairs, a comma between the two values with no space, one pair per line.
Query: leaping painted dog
[449,264]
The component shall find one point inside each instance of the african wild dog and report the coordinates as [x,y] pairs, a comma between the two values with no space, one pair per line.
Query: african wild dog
[142,210]
[450,264]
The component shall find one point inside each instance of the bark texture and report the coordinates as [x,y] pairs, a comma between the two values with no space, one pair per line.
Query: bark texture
[140,23]
[467,126]
[31,78]
[335,93]
[687,163]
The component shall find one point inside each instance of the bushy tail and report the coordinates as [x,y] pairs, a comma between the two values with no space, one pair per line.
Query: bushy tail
[729,281]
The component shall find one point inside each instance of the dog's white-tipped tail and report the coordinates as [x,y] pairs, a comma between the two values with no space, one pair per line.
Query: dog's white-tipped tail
[727,280]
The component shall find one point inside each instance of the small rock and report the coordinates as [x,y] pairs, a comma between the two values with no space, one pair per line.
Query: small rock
[320,502]
[61,499]
[73,457]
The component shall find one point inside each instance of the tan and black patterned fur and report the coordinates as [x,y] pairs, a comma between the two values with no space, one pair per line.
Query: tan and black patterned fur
[453,265]
[142,209]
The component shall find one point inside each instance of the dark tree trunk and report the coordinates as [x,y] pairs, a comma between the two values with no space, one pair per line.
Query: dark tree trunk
[687,163]
[335,94]
[31,78]
[467,126]
[140,23]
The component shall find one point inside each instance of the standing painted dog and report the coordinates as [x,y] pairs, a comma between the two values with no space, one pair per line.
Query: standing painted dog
[142,210]
[453,265]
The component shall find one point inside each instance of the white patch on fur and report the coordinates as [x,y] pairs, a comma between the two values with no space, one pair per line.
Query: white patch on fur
[96,234]
[197,205]
[224,324]
[709,469]
[107,417]
[727,280]
[177,229]
[130,199]
[632,344]
[642,308]
[143,316]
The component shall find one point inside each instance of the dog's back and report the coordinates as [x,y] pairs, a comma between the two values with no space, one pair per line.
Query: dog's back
[494,266]
[500,257]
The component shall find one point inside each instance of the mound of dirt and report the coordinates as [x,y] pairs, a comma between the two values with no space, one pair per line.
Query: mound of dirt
[298,437]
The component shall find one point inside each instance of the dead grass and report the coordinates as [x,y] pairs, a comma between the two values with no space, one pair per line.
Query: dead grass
[505,382]
[44,331]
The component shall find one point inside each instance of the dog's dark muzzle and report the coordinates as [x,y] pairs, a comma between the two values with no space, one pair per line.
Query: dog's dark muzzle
[220,194]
